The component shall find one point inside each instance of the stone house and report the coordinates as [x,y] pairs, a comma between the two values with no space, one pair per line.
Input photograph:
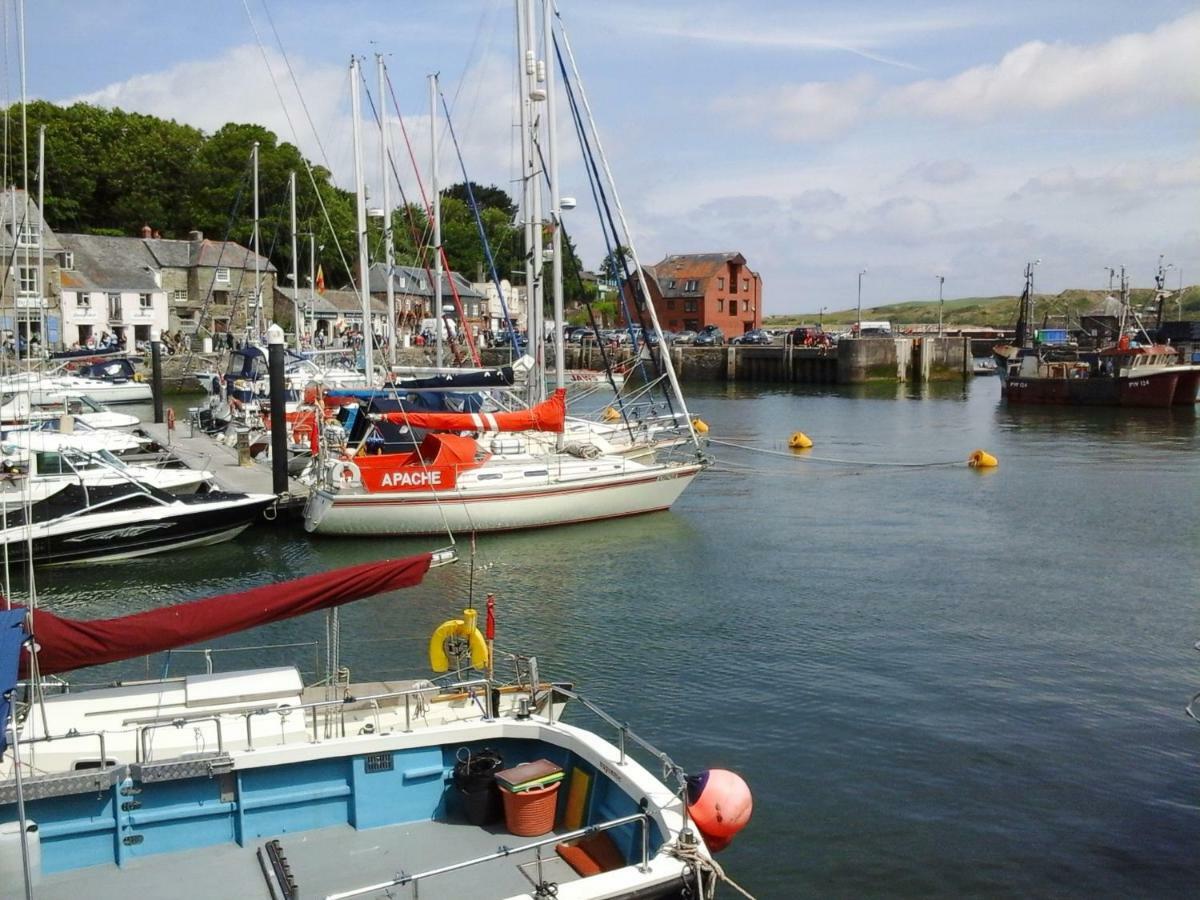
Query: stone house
[694,290]
[31,296]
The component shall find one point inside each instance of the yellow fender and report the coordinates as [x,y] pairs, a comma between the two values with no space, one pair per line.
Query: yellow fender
[461,629]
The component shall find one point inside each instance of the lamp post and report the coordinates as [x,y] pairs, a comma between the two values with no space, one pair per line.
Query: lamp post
[941,280]
[821,318]
[860,275]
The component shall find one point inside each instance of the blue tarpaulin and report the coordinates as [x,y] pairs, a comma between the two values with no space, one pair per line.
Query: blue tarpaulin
[12,636]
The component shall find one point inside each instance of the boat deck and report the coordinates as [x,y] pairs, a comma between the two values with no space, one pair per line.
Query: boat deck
[326,861]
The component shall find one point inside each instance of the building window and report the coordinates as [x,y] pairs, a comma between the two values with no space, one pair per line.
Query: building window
[745,306]
[222,275]
[671,284]
[221,298]
[691,285]
[114,307]
[670,304]
[68,260]
[145,302]
[83,300]
[689,306]
[29,281]
[721,283]
[745,284]
[720,306]
[181,296]
[29,235]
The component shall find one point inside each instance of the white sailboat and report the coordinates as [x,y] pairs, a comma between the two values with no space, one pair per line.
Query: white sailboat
[495,479]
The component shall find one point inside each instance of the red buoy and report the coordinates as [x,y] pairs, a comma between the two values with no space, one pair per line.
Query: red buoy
[720,804]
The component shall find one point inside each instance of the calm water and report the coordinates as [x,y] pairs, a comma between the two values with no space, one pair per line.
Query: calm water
[938,682]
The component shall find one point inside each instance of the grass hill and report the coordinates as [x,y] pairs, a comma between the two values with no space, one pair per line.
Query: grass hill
[999,312]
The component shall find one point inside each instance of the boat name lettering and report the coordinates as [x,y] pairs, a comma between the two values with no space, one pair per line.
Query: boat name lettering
[411,479]
[612,773]
[1141,382]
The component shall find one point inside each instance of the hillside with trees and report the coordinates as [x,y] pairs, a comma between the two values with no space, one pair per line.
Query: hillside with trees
[112,172]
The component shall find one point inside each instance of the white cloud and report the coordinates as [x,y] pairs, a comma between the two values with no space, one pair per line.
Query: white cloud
[1129,73]
[814,111]
[1119,182]
[941,171]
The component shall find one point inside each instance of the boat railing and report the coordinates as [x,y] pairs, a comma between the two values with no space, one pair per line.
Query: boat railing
[72,735]
[625,734]
[144,749]
[403,879]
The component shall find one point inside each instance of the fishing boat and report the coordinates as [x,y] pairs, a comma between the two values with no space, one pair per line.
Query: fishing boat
[458,783]
[1135,371]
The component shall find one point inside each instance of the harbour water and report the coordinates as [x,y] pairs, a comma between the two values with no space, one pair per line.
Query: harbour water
[937,681]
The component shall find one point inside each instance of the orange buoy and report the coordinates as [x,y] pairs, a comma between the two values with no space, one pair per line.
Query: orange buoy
[720,804]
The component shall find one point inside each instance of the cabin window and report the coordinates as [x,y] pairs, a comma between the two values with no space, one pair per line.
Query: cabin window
[85,765]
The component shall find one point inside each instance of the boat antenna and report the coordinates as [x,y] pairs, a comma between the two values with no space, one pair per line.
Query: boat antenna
[471,581]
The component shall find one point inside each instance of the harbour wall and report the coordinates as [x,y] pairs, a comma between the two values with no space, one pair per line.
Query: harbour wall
[850,362]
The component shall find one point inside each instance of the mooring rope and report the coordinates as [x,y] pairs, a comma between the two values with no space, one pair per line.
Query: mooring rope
[834,459]
[690,855]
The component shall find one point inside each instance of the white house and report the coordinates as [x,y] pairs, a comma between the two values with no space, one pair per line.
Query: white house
[112,286]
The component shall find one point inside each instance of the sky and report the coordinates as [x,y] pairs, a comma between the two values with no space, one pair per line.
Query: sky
[906,139]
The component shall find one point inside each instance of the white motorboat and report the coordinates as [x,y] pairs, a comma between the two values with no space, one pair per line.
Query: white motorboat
[47,437]
[44,461]
[18,410]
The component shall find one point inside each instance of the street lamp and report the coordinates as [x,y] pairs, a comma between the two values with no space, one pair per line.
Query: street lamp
[821,318]
[941,280]
[860,275]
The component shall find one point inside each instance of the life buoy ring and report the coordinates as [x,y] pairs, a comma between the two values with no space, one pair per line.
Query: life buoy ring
[461,637]
[170,419]
[345,472]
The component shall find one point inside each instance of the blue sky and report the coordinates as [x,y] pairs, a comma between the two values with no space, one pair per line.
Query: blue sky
[910,139]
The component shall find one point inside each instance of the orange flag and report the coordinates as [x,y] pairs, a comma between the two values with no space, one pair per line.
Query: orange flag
[320,280]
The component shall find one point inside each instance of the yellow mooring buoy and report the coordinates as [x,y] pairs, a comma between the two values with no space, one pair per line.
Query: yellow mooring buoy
[981,459]
[700,425]
[800,441]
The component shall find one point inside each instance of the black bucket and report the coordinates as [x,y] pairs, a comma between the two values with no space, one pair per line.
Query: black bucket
[475,784]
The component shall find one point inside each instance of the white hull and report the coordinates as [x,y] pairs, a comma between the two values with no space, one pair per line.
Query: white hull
[552,503]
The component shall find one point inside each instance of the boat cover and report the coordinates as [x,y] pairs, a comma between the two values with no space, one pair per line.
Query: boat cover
[12,635]
[65,644]
[550,415]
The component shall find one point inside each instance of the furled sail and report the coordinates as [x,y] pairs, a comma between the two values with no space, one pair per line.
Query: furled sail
[65,644]
[550,415]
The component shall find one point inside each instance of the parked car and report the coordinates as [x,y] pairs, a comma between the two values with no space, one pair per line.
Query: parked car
[579,335]
[684,337]
[711,336]
[755,336]
[809,336]
[504,339]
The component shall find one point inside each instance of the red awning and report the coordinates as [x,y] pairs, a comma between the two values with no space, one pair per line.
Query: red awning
[65,644]
[549,415]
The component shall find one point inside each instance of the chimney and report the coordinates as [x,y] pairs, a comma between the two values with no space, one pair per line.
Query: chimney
[195,236]
[147,232]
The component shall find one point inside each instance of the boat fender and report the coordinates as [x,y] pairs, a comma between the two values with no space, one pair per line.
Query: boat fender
[610,414]
[800,441]
[139,377]
[981,459]
[700,425]
[720,803]
[346,472]
[451,635]
[170,419]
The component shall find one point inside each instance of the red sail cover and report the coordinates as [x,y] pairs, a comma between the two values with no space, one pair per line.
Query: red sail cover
[550,415]
[65,644]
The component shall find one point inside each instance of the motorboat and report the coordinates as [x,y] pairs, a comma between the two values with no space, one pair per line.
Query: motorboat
[17,409]
[45,461]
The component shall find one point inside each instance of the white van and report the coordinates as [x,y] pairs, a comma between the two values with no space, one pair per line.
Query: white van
[449,328]
[875,329]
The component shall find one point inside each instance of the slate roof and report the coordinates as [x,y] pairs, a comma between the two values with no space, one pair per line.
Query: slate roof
[416,282]
[178,254]
[104,263]
[348,303]
[13,200]
[316,300]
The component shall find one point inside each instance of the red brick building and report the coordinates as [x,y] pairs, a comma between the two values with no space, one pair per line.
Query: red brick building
[693,290]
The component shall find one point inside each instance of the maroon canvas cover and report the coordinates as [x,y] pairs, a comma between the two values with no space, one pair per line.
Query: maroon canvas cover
[65,644]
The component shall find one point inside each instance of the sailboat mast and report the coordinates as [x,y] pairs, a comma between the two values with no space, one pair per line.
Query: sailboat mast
[296,323]
[360,190]
[41,266]
[254,294]
[385,155]
[524,58]
[556,276]
[439,321]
